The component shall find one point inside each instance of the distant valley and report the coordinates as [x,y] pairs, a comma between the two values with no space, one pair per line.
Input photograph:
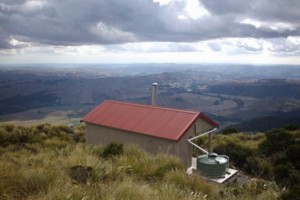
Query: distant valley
[229,94]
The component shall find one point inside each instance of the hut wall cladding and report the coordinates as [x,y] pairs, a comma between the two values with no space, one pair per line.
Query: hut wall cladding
[101,135]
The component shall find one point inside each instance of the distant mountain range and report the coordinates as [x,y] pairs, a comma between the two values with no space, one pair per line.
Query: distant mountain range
[230,94]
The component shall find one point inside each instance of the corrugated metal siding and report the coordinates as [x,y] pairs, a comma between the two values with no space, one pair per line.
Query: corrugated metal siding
[149,120]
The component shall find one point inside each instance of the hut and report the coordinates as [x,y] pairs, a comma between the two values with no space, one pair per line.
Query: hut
[153,128]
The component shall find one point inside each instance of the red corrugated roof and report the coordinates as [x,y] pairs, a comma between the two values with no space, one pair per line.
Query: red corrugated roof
[148,120]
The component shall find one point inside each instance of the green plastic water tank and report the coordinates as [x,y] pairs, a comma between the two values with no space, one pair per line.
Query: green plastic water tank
[212,165]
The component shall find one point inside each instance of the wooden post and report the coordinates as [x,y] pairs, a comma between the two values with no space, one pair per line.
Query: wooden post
[209,142]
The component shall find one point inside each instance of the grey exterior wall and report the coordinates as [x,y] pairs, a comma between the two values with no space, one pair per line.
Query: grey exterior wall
[100,135]
[185,149]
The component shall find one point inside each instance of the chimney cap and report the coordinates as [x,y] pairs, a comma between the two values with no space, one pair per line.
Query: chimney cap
[155,84]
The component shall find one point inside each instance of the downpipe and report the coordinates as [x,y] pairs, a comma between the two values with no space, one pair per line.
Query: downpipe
[201,135]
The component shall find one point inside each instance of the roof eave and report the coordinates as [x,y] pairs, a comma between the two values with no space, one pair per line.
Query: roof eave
[202,116]
[209,120]
[130,131]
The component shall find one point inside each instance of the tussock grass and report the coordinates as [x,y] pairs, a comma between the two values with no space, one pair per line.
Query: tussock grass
[250,141]
[51,164]
[20,184]
[129,189]
[261,190]
[147,166]
[191,183]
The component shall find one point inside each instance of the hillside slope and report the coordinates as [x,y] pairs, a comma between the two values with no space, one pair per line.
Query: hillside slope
[46,162]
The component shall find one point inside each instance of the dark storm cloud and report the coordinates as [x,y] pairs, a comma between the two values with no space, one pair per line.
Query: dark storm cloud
[270,10]
[76,22]
[4,40]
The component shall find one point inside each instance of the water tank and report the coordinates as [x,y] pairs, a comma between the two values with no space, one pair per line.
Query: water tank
[212,165]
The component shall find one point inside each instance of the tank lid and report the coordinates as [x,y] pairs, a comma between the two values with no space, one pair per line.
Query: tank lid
[212,159]
[221,160]
[212,155]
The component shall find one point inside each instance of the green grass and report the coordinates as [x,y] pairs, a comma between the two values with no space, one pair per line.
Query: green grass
[249,140]
[48,162]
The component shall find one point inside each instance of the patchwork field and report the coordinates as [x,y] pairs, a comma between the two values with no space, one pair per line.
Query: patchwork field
[229,94]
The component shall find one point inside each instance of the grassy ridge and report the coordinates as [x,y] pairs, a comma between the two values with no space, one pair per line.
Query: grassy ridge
[52,162]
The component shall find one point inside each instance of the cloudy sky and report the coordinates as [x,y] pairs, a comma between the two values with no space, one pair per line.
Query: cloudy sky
[137,31]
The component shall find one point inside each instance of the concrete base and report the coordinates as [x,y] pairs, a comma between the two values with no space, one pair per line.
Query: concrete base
[230,173]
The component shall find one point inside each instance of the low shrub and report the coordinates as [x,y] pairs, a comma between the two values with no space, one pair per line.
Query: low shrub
[79,137]
[80,173]
[112,149]
[292,194]
[17,135]
[9,127]
[292,155]
[10,134]
[286,175]
[229,130]
[237,153]
[276,140]
[64,129]
[291,127]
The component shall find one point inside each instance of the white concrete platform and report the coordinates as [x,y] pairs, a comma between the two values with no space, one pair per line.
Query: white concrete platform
[229,174]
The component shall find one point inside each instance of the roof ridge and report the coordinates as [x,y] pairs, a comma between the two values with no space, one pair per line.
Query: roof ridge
[156,107]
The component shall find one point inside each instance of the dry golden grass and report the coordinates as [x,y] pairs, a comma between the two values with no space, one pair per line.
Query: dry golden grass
[40,168]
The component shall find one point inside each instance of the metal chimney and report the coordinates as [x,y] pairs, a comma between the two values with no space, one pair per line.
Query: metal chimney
[154,94]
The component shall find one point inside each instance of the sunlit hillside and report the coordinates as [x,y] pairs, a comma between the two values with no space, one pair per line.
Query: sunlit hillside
[53,162]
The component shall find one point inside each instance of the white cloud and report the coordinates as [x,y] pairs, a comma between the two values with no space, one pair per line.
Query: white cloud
[228,50]
[285,46]
[27,6]
[193,10]
[110,34]
[294,40]
[153,47]
[32,5]
[163,2]
[14,42]
[276,26]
